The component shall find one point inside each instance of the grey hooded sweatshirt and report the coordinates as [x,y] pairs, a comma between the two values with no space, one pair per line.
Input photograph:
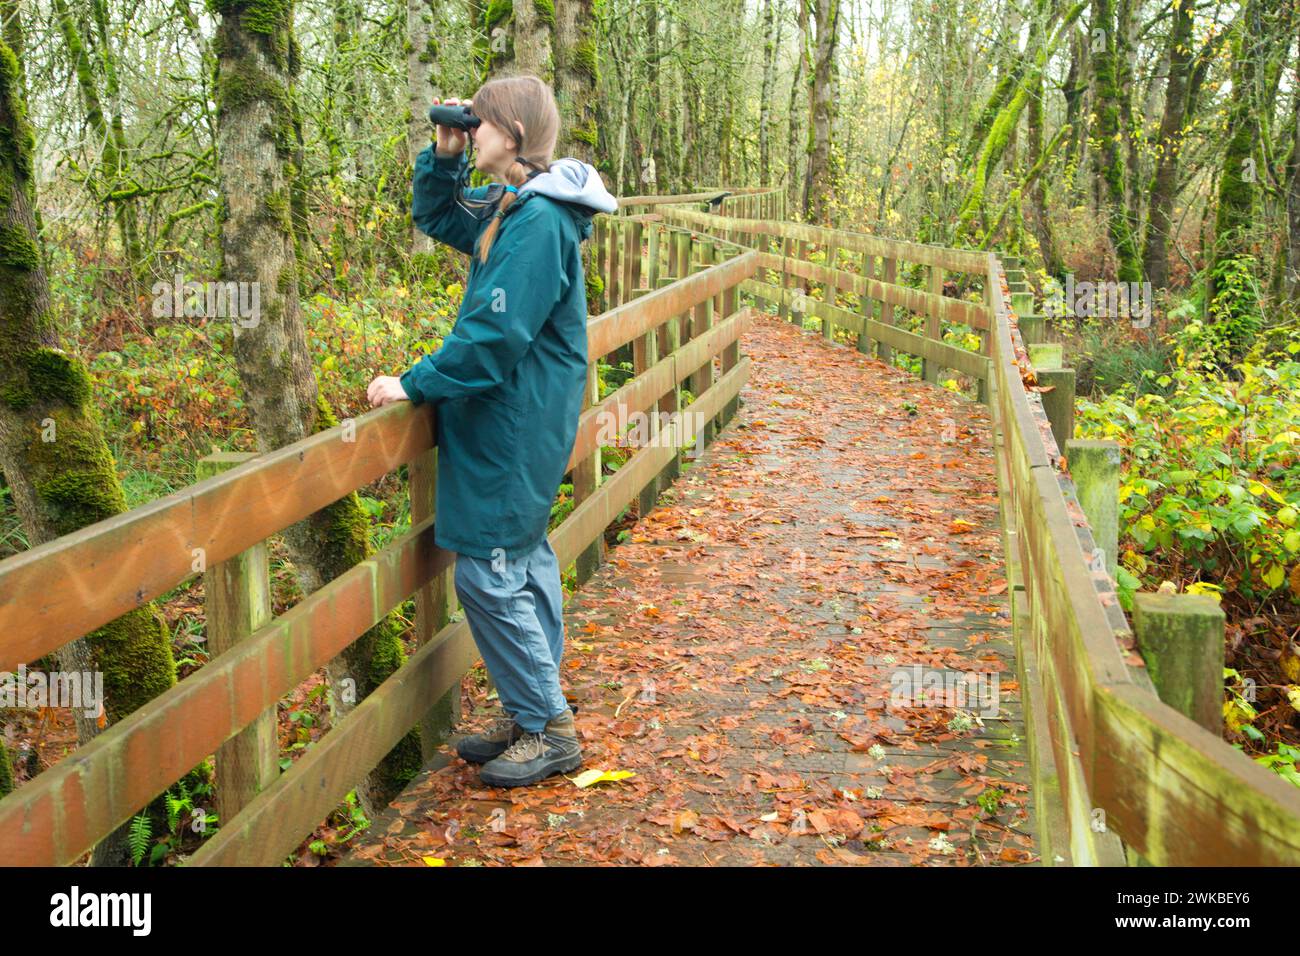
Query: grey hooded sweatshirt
[577,184]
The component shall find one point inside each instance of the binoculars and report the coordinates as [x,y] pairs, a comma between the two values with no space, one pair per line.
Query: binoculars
[458,116]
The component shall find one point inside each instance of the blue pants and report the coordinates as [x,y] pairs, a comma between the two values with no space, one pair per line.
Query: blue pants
[515,613]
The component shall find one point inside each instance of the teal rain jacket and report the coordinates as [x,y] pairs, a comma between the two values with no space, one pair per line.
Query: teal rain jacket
[509,379]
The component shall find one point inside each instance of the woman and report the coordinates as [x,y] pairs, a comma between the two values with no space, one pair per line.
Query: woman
[508,384]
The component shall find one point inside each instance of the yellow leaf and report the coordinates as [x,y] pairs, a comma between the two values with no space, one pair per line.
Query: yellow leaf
[1293,696]
[433,861]
[589,777]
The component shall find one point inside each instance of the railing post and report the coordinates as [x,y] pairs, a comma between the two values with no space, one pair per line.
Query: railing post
[887,311]
[670,339]
[1094,467]
[868,306]
[933,329]
[237,602]
[645,353]
[831,294]
[701,322]
[631,259]
[787,250]
[635,234]
[652,254]
[599,257]
[1059,402]
[1180,637]
[586,480]
[986,338]
[1046,355]
[433,602]
[731,353]
[614,278]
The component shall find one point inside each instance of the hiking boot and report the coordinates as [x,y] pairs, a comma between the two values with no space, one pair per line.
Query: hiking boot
[535,756]
[480,748]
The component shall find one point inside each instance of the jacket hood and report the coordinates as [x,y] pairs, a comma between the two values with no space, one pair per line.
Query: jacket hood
[576,183]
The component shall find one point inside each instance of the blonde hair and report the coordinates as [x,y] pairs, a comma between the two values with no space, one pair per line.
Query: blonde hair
[529,100]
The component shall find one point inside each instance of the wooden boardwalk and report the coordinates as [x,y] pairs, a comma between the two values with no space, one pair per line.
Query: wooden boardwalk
[739,652]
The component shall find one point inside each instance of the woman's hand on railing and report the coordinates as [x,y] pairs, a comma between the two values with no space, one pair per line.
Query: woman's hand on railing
[384,390]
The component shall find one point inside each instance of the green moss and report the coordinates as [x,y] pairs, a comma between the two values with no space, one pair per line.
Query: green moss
[135,655]
[498,11]
[237,89]
[277,204]
[74,476]
[585,59]
[545,11]
[17,249]
[55,376]
[17,141]
[6,771]
[585,133]
[268,17]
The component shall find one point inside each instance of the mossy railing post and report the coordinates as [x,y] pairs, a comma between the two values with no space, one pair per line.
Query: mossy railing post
[599,250]
[614,277]
[702,320]
[783,311]
[237,602]
[1180,637]
[868,307]
[887,311]
[670,340]
[645,353]
[631,259]
[1094,467]
[1059,402]
[1047,355]
[586,480]
[730,354]
[434,603]
[832,290]
[933,329]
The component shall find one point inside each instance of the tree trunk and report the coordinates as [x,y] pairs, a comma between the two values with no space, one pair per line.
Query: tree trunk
[111,173]
[820,180]
[1164,183]
[421,51]
[52,448]
[1110,159]
[256,144]
[1234,214]
[576,73]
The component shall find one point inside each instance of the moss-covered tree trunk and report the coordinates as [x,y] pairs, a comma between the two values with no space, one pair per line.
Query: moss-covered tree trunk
[257,67]
[1292,282]
[52,448]
[422,50]
[1229,297]
[819,184]
[1164,182]
[1107,96]
[576,74]
[6,771]
[111,180]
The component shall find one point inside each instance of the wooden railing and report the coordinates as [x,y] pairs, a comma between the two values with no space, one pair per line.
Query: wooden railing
[66,588]
[1119,775]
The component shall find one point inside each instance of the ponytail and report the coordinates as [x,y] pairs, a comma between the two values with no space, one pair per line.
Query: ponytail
[514,179]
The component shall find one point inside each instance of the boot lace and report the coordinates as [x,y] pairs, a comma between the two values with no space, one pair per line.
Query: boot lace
[528,747]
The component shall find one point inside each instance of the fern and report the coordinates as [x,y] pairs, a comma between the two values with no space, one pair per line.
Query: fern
[139,837]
